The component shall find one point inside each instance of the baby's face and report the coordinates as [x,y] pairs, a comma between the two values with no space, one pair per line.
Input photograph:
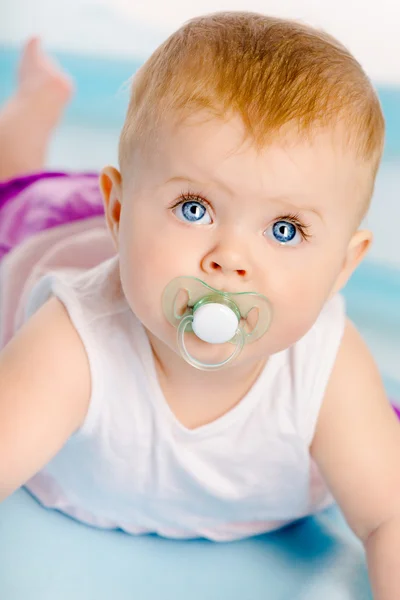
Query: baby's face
[278,222]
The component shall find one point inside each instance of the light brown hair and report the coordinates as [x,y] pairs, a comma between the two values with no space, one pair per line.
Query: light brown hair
[269,71]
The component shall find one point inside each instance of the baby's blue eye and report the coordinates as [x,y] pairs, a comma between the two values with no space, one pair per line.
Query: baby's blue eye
[285,233]
[193,212]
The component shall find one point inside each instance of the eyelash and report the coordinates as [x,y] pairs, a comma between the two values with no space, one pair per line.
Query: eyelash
[293,218]
[190,197]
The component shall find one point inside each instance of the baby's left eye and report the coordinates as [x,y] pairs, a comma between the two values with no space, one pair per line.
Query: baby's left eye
[285,233]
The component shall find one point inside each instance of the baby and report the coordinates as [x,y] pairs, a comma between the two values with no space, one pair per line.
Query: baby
[205,381]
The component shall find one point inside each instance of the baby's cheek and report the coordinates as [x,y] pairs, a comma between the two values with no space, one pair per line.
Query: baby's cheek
[143,274]
[287,328]
[295,307]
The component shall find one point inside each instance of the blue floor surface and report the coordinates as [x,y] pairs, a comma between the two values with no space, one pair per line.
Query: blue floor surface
[44,555]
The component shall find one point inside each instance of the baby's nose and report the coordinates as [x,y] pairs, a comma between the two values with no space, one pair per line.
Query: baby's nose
[226,261]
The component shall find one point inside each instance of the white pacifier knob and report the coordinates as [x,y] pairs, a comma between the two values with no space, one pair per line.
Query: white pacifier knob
[215,323]
[215,317]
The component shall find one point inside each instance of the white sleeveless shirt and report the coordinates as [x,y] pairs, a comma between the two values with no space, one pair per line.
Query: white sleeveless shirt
[134,466]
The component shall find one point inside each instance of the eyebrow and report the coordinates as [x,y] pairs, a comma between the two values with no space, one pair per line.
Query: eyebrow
[274,199]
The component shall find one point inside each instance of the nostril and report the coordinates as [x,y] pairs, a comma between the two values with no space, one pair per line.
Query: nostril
[215,266]
[241,272]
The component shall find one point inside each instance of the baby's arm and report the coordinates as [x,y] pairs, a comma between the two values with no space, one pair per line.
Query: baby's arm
[357,447]
[44,394]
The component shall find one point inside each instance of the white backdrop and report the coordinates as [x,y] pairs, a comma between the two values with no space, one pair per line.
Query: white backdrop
[370,28]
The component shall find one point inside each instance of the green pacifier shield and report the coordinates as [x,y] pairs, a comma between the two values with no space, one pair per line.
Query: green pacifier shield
[214,316]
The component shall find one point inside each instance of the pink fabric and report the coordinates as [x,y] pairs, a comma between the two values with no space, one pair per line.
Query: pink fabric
[77,245]
[39,201]
[47,220]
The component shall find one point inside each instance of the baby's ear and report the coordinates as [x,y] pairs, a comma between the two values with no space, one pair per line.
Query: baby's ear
[111,189]
[357,249]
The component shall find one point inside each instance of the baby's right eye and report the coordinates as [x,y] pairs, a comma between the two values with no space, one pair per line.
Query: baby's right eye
[192,211]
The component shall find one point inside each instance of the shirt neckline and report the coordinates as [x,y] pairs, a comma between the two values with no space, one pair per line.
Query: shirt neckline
[240,410]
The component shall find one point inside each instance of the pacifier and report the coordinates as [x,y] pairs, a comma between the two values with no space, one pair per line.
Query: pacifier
[214,316]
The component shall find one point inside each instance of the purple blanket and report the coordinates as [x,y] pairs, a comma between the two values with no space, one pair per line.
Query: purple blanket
[43,200]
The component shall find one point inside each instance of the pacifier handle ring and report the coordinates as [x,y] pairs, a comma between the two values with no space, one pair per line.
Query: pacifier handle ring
[185,322]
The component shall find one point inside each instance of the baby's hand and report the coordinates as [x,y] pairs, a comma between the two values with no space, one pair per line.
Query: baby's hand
[357,447]
[44,394]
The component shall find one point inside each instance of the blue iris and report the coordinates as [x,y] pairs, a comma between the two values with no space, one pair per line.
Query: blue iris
[193,211]
[284,231]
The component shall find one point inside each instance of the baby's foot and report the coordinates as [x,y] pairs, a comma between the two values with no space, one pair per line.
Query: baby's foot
[42,81]
[29,117]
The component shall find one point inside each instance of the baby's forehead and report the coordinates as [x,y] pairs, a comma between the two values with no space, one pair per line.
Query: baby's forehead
[290,164]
